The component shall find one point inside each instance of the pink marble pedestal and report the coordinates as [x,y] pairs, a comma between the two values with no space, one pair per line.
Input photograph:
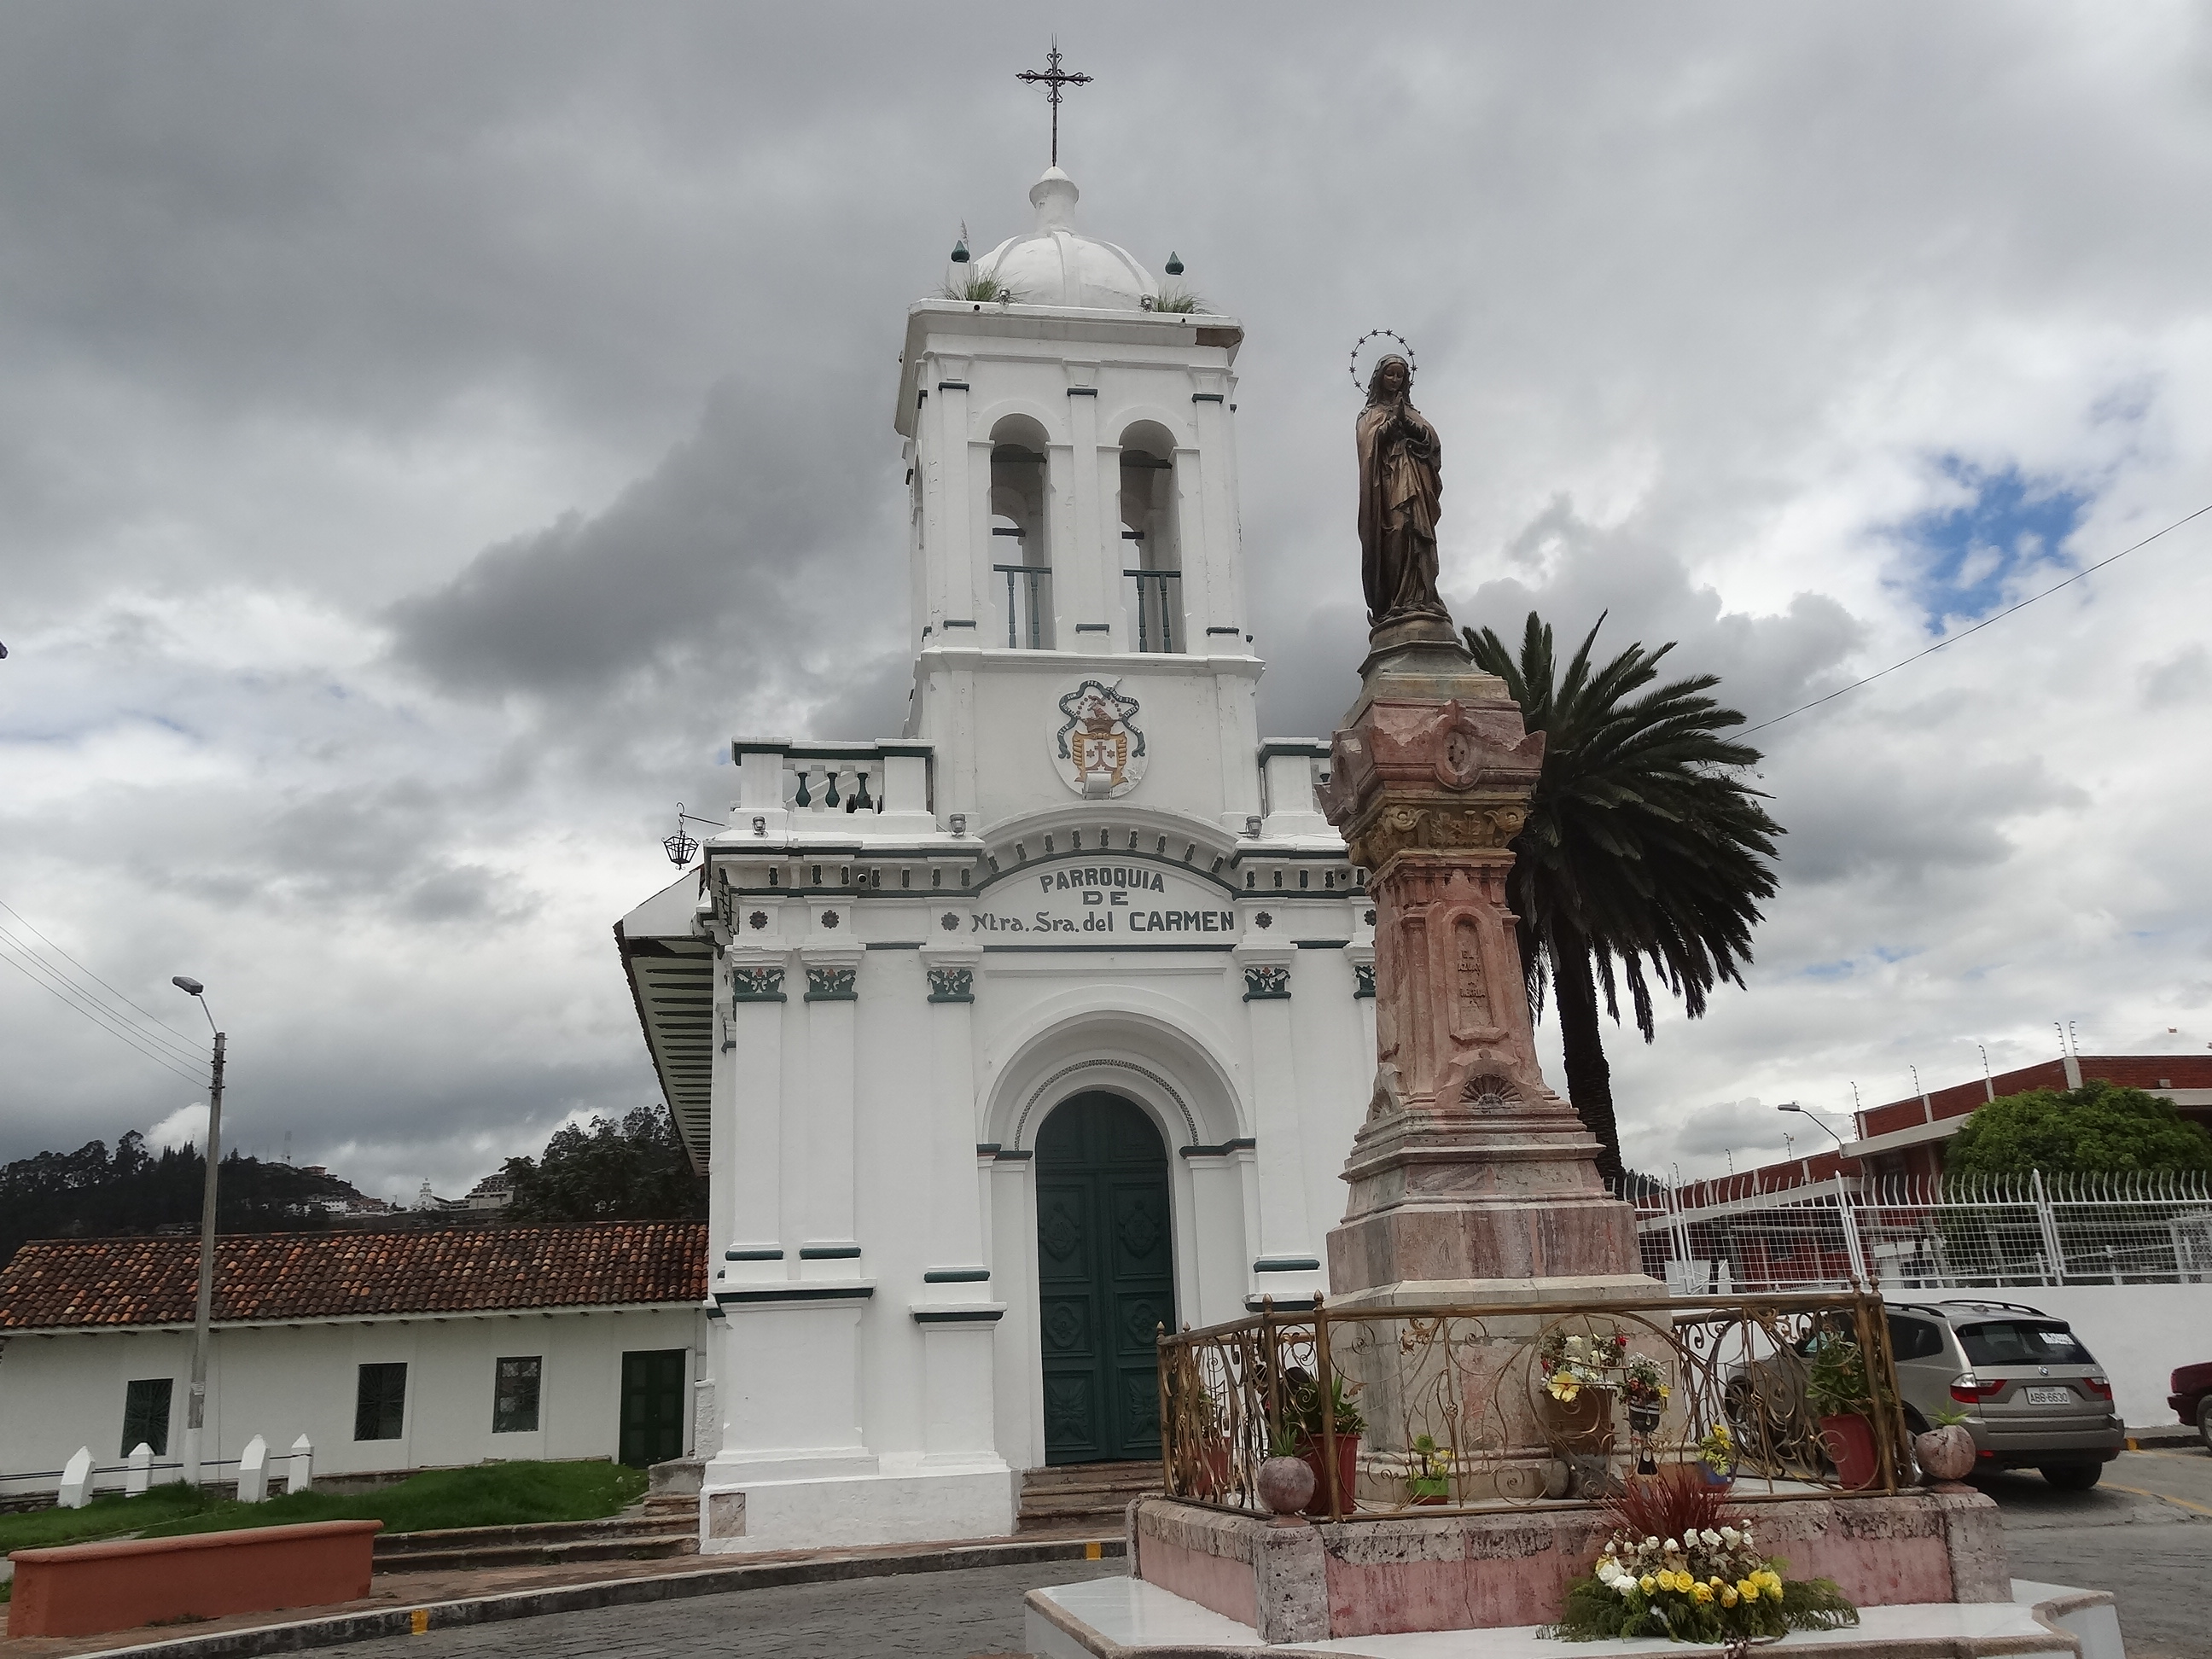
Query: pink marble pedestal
[1471,1180]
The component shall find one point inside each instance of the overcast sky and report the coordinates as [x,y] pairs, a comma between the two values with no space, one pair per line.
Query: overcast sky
[429,431]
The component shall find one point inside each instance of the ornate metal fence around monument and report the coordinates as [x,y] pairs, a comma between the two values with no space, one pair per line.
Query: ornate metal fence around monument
[1461,1407]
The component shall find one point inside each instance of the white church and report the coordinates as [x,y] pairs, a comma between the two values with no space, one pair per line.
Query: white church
[1008,1040]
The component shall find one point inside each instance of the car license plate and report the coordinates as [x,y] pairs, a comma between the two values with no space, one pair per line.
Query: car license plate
[2050,1396]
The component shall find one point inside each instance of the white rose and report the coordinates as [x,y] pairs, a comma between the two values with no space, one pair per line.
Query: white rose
[1672,1546]
[1650,1543]
[1625,1583]
[1712,1540]
[1731,1536]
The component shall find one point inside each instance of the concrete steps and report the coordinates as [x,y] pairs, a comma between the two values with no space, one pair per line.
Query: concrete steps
[1089,1497]
[663,1526]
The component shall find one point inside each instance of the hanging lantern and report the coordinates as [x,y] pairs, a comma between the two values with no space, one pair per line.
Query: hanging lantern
[1175,263]
[960,252]
[679,847]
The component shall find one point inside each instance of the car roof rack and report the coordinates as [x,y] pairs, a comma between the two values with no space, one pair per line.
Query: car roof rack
[1985,1301]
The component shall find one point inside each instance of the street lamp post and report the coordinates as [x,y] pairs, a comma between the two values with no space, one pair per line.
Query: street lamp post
[1792,1106]
[196,1402]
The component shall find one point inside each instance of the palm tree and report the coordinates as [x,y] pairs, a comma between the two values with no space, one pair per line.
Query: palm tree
[1642,847]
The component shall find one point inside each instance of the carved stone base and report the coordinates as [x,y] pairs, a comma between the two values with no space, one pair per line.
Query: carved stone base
[1470,1176]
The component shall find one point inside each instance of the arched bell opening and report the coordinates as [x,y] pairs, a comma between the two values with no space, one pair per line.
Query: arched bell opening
[1151,550]
[1020,552]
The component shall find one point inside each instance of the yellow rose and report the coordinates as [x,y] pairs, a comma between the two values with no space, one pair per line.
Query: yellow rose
[1564,1388]
[1747,1590]
[1728,1595]
[1774,1589]
[1684,1583]
[1703,1592]
[1647,1584]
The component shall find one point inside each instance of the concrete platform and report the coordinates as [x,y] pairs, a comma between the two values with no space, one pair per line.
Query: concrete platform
[1124,1618]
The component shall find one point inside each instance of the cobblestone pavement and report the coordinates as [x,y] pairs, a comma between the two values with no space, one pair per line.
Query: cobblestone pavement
[2144,1534]
[930,1615]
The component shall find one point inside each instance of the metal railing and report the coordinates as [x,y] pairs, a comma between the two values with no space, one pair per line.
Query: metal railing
[1155,600]
[1031,578]
[1472,1407]
[1903,1233]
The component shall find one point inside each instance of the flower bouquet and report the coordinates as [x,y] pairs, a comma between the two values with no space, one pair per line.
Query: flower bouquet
[1680,1565]
[1645,1390]
[1717,1456]
[1576,1403]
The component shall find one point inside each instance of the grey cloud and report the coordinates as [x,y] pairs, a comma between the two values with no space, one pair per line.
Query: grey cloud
[2183,678]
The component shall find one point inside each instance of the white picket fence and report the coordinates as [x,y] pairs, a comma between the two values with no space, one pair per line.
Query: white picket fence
[79,1478]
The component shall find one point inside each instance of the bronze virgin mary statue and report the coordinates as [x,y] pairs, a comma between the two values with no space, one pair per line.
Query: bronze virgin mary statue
[1400,480]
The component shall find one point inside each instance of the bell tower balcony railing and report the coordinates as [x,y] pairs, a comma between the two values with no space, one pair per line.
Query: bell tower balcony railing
[1157,604]
[1024,604]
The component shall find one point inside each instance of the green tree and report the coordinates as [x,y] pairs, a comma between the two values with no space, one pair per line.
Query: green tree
[1643,849]
[634,1171]
[2096,1129]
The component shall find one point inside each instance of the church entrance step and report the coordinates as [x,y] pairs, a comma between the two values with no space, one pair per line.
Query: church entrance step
[651,1534]
[1089,1497]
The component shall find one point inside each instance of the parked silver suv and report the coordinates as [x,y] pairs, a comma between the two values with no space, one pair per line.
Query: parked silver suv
[2032,1396]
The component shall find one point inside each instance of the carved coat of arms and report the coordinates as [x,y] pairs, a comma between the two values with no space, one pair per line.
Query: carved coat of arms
[1098,746]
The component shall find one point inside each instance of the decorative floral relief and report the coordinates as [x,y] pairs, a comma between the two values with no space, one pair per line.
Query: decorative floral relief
[950,922]
[1363,979]
[1060,1233]
[831,981]
[757,984]
[952,984]
[1139,1231]
[758,919]
[1267,982]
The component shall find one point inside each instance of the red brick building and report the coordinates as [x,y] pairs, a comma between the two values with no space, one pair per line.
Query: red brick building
[1907,1137]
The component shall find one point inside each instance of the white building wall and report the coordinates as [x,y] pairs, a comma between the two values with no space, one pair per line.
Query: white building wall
[58,1393]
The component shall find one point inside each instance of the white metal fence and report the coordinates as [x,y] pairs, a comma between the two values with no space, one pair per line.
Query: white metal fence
[1907,1233]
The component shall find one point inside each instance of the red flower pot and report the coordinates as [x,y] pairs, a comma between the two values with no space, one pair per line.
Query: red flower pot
[1347,1473]
[1849,1441]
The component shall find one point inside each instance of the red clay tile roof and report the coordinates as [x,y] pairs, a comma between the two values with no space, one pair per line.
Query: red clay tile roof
[274,1276]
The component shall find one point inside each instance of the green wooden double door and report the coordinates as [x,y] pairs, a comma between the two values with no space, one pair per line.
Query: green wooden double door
[1105,1279]
[656,1386]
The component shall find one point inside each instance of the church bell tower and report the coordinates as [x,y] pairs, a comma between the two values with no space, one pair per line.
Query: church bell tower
[1074,512]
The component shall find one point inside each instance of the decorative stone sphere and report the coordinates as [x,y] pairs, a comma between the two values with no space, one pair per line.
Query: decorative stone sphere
[1054,267]
[1945,1453]
[1287,1485]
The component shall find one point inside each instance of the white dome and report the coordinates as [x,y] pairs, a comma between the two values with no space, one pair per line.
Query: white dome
[1053,266]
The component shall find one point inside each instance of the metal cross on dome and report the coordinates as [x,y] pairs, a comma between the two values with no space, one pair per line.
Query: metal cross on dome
[1052,78]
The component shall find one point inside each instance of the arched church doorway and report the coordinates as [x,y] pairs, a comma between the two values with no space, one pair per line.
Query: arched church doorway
[1105,1277]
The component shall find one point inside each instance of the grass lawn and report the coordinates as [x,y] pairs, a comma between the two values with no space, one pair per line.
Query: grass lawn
[489,1495]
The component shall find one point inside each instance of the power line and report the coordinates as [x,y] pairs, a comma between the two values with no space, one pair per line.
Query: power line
[2088,570]
[125,1037]
[78,995]
[191,1043]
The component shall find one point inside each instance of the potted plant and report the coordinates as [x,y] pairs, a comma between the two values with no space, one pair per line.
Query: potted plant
[1431,1483]
[1717,1456]
[1836,1388]
[1576,1401]
[1947,1452]
[1304,1410]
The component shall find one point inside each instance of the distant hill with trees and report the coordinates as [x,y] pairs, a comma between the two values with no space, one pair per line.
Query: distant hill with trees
[92,1193]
